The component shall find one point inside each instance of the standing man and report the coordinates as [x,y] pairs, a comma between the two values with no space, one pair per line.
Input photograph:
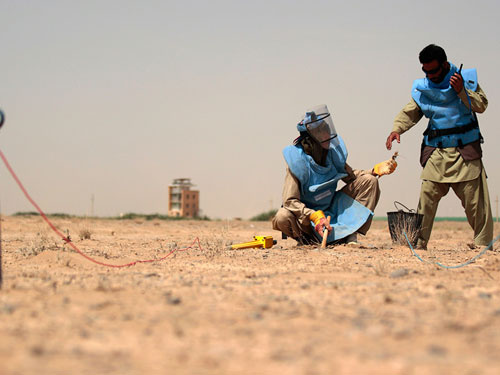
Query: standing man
[316,162]
[451,149]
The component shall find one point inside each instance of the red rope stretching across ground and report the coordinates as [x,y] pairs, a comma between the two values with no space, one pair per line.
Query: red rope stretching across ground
[68,241]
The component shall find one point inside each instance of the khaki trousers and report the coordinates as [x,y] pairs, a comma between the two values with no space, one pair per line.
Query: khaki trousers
[364,188]
[475,200]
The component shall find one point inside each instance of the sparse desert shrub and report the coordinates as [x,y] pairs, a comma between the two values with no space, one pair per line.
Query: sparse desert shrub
[216,243]
[264,216]
[26,213]
[85,234]
[148,217]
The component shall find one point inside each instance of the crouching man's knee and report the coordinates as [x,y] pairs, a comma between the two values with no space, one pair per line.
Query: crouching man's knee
[368,192]
[370,182]
[285,222]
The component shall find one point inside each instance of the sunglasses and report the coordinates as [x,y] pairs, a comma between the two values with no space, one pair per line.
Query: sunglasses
[432,71]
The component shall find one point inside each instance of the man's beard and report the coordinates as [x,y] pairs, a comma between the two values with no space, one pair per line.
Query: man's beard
[440,78]
[314,149]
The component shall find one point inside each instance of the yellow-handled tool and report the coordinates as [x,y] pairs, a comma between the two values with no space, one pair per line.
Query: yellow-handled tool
[265,242]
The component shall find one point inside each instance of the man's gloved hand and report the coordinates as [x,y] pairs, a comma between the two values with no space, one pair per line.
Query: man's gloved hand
[385,167]
[320,222]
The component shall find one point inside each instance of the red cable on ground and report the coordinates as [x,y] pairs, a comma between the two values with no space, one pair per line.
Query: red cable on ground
[68,241]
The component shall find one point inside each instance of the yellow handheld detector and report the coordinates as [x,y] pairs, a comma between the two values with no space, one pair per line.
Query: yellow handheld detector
[265,242]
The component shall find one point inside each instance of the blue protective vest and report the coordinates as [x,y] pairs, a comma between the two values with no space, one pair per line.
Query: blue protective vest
[318,186]
[451,122]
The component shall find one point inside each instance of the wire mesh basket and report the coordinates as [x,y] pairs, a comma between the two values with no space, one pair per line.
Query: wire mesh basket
[401,222]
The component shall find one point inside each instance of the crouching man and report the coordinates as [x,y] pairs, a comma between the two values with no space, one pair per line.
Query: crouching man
[315,163]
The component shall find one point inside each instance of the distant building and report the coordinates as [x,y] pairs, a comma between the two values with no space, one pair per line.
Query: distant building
[182,201]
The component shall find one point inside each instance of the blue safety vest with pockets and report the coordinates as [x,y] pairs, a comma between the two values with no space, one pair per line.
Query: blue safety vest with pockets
[451,122]
[318,186]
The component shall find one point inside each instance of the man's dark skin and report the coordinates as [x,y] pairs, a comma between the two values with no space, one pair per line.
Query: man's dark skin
[435,72]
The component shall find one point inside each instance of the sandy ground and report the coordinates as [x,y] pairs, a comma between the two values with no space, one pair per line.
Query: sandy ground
[372,308]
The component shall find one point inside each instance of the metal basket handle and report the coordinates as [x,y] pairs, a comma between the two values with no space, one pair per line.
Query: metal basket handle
[401,204]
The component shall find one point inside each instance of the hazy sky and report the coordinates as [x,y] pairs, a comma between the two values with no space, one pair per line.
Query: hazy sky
[117,98]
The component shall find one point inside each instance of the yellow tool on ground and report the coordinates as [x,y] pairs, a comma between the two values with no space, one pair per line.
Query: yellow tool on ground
[265,242]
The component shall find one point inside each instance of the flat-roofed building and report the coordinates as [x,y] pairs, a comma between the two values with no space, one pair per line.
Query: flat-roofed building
[182,201]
